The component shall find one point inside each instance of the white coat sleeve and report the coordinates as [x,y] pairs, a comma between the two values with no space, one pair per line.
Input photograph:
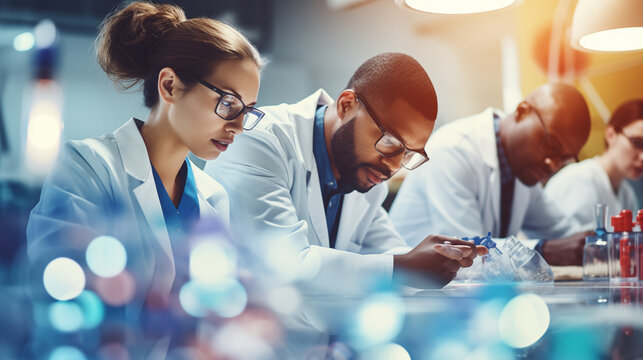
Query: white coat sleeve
[72,210]
[574,197]
[450,186]
[545,220]
[258,176]
[382,237]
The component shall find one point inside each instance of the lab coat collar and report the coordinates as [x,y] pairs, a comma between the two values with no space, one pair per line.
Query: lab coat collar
[205,185]
[213,199]
[487,137]
[133,150]
[303,113]
[137,163]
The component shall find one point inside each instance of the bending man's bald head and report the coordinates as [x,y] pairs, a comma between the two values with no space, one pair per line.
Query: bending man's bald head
[564,111]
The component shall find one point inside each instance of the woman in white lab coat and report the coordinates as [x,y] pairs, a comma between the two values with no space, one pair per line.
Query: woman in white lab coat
[601,179]
[200,80]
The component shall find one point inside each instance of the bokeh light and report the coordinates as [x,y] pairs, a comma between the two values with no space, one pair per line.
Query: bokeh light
[236,342]
[117,290]
[379,319]
[24,41]
[387,352]
[449,349]
[92,307]
[284,299]
[66,316]
[523,321]
[106,256]
[64,279]
[212,262]
[44,127]
[261,323]
[230,300]
[66,353]
[191,299]
[45,34]
[483,325]
[227,298]
[286,262]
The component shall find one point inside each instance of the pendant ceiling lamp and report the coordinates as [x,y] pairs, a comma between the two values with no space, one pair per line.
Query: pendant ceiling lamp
[454,6]
[608,25]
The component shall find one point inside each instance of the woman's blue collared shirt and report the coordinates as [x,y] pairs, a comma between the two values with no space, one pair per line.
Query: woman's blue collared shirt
[179,220]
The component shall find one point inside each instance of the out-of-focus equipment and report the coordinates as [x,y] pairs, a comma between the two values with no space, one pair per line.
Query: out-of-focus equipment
[42,121]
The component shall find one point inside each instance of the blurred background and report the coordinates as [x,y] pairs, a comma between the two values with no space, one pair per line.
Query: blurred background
[475,61]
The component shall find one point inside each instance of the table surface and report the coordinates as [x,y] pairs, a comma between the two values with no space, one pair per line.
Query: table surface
[605,319]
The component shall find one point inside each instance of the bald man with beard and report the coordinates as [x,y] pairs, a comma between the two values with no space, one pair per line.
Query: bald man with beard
[486,171]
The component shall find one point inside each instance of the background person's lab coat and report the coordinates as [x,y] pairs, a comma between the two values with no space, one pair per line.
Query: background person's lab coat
[276,205]
[457,192]
[577,188]
[105,186]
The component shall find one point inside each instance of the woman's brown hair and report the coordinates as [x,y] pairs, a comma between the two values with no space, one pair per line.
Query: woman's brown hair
[136,42]
[626,114]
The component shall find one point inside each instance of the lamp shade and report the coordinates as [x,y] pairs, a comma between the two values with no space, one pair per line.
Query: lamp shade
[454,6]
[608,25]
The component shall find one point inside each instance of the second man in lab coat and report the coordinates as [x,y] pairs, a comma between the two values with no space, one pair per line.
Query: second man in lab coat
[485,171]
[306,186]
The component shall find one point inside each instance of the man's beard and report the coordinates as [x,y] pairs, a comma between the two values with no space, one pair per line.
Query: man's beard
[343,150]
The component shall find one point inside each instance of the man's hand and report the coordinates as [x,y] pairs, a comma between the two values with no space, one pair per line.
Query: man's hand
[435,261]
[567,250]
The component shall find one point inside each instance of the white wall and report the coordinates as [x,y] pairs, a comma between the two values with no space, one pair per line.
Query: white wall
[460,53]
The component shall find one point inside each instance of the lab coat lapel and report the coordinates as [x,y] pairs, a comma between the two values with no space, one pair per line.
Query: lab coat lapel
[486,137]
[148,200]
[303,114]
[137,166]
[316,206]
[213,202]
[354,207]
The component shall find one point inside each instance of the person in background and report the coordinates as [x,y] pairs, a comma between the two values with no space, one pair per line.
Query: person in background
[485,174]
[601,179]
[200,81]
[310,181]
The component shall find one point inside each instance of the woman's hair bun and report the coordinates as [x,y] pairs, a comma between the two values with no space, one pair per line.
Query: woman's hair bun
[126,39]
